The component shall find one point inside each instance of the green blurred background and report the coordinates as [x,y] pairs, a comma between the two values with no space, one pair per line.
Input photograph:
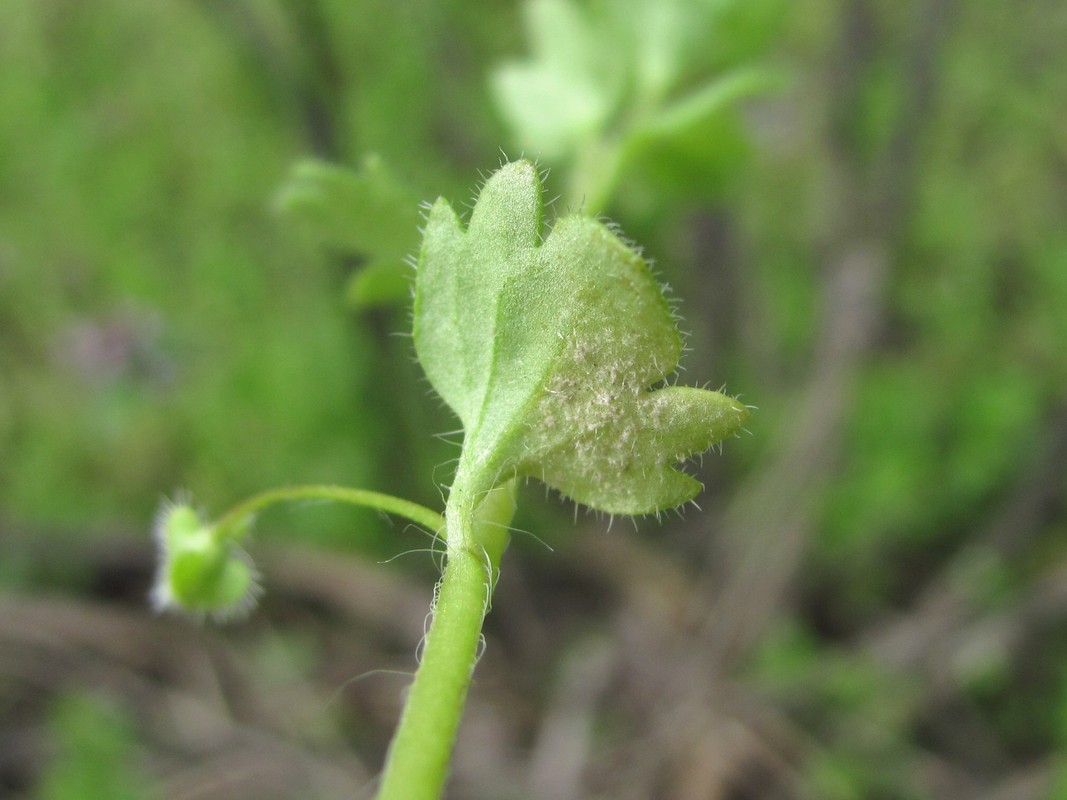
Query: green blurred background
[867,238]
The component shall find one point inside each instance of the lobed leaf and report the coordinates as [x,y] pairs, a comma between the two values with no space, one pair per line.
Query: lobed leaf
[546,351]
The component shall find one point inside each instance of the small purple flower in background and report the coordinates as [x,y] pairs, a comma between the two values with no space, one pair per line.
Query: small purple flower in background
[103,350]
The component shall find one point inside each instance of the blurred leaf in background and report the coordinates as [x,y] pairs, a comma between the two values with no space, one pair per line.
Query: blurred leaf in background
[364,214]
[611,86]
[97,754]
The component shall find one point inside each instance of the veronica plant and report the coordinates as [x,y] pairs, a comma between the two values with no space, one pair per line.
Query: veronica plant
[554,351]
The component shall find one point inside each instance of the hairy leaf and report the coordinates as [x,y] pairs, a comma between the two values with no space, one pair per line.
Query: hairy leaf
[546,350]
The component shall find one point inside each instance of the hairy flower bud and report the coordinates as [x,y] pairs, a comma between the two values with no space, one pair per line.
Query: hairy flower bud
[200,571]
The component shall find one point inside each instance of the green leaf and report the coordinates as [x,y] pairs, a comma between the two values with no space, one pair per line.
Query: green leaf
[368,213]
[546,350]
[379,283]
[611,86]
[567,91]
[709,99]
[690,148]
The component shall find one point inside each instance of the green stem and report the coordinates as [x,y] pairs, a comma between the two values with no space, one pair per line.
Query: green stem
[594,176]
[417,765]
[231,523]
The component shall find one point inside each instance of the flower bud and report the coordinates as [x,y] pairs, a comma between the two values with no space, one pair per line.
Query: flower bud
[200,572]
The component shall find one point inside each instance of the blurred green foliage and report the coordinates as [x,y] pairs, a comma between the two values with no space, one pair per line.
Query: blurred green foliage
[366,213]
[163,327]
[96,753]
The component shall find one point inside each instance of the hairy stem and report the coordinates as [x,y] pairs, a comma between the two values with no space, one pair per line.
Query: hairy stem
[417,765]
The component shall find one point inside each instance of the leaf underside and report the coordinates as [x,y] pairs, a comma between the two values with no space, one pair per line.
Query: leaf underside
[546,351]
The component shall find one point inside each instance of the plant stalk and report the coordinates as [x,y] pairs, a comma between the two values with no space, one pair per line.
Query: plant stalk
[417,764]
[231,524]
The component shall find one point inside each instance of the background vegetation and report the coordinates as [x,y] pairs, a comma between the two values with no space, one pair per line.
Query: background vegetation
[872,249]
